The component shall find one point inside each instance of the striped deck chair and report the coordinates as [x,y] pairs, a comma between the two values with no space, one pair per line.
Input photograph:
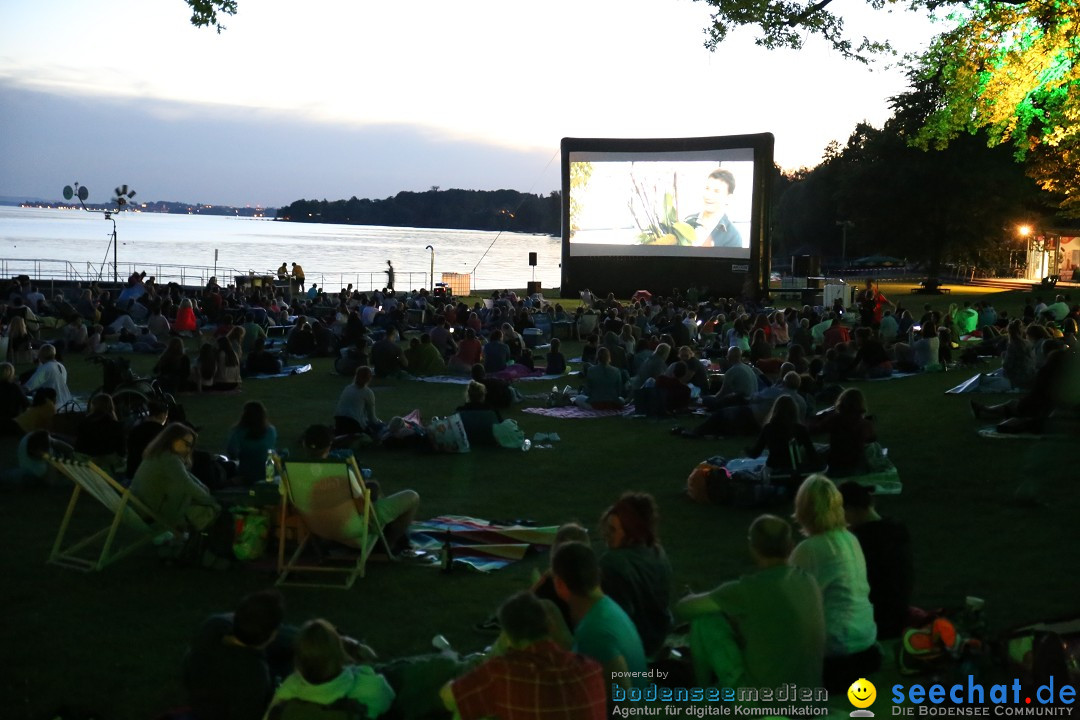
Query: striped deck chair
[333,504]
[128,512]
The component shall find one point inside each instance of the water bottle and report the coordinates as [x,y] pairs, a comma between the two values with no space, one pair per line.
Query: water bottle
[527,445]
[446,554]
[271,470]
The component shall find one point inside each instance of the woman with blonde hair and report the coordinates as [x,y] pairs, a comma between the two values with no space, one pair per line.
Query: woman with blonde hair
[19,341]
[832,554]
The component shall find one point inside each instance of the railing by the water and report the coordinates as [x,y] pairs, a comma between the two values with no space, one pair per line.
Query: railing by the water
[44,270]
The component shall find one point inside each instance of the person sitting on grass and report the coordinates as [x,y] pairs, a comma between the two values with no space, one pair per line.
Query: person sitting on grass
[496,353]
[424,358]
[886,545]
[477,416]
[556,361]
[50,373]
[165,484]
[533,678]
[12,400]
[604,632]
[763,630]
[227,374]
[355,411]
[872,360]
[329,672]
[470,351]
[250,439]
[605,386]
[850,431]
[652,366]
[786,439]
[260,361]
[387,358]
[833,556]
[1029,413]
[229,669]
[40,414]
[635,571]
[500,395]
[100,435]
[173,367]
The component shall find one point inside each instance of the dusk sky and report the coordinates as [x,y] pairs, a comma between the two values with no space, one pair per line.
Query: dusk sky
[335,98]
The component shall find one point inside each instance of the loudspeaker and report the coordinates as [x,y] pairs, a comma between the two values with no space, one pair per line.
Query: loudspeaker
[532,259]
[806,265]
[533,287]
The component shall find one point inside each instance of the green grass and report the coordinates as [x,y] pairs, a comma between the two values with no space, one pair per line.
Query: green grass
[113,641]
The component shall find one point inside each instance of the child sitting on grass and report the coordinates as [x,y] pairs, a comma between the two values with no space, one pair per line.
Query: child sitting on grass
[326,673]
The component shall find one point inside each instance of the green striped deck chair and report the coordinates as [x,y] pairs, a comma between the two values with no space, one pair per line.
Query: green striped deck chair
[128,516]
[333,504]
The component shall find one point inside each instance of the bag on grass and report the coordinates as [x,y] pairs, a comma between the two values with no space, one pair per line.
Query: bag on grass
[448,434]
[508,434]
[249,536]
[710,482]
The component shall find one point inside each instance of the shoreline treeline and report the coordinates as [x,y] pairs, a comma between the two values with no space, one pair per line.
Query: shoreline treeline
[508,210]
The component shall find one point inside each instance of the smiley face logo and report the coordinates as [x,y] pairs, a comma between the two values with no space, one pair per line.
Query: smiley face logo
[862,694]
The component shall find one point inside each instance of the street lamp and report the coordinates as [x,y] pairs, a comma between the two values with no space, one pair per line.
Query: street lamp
[844,225]
[431,278]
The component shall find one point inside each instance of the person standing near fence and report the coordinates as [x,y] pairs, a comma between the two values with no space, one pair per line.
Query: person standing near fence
[389,276]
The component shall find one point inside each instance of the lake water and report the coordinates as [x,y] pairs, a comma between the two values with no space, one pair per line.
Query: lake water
[76,245]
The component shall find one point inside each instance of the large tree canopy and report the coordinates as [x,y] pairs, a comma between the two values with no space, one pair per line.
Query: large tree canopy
[1008,67]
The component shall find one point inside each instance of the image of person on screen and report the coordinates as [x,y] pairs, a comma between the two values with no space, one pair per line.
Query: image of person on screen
[713,228]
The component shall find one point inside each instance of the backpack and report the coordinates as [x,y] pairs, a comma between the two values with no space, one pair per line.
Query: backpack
[710,482]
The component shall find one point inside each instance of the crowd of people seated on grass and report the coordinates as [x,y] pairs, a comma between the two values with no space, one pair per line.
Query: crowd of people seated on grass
[594,623]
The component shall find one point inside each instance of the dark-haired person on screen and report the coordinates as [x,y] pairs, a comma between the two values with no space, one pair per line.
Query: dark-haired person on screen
[713,227]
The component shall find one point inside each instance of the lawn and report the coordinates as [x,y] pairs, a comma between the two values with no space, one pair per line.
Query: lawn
[112,642]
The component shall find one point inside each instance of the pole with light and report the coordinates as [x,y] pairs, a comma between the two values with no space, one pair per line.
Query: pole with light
[123,195]
[844,225]
[431,277]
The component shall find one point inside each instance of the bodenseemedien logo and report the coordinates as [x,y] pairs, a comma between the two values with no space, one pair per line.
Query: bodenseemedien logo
[862,694]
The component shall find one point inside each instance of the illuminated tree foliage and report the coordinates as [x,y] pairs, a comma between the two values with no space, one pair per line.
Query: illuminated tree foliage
[1008,67]
[204,13]
[1012,70]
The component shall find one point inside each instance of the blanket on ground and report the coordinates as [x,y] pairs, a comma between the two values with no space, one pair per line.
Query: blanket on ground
[483,545]
[573,411]
[285,372]
[993,382]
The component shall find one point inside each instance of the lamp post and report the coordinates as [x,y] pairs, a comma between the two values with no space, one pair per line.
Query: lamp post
[844,225]
[431,277]
[123,195]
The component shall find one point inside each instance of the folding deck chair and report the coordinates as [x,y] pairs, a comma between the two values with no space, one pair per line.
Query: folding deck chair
[126,509]
[324,494]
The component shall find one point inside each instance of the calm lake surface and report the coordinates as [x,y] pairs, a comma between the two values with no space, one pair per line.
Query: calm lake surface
[76,245]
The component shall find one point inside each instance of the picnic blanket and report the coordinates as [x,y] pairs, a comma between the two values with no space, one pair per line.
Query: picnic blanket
[886,482]
[573,411]
[448,379]
[520,372]
[991,433]
[285,372]
[483,545]
[993,382]
[896,375]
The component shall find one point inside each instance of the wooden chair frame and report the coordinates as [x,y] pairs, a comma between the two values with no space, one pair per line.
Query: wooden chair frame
[126,510]
[348,570]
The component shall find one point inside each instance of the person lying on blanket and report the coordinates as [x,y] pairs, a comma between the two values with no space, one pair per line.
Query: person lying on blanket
[1029,413]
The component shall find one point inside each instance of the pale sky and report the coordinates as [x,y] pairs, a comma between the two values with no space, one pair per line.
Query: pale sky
[334,98]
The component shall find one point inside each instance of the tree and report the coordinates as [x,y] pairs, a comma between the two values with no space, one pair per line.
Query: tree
[204,13]
[1010,68]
